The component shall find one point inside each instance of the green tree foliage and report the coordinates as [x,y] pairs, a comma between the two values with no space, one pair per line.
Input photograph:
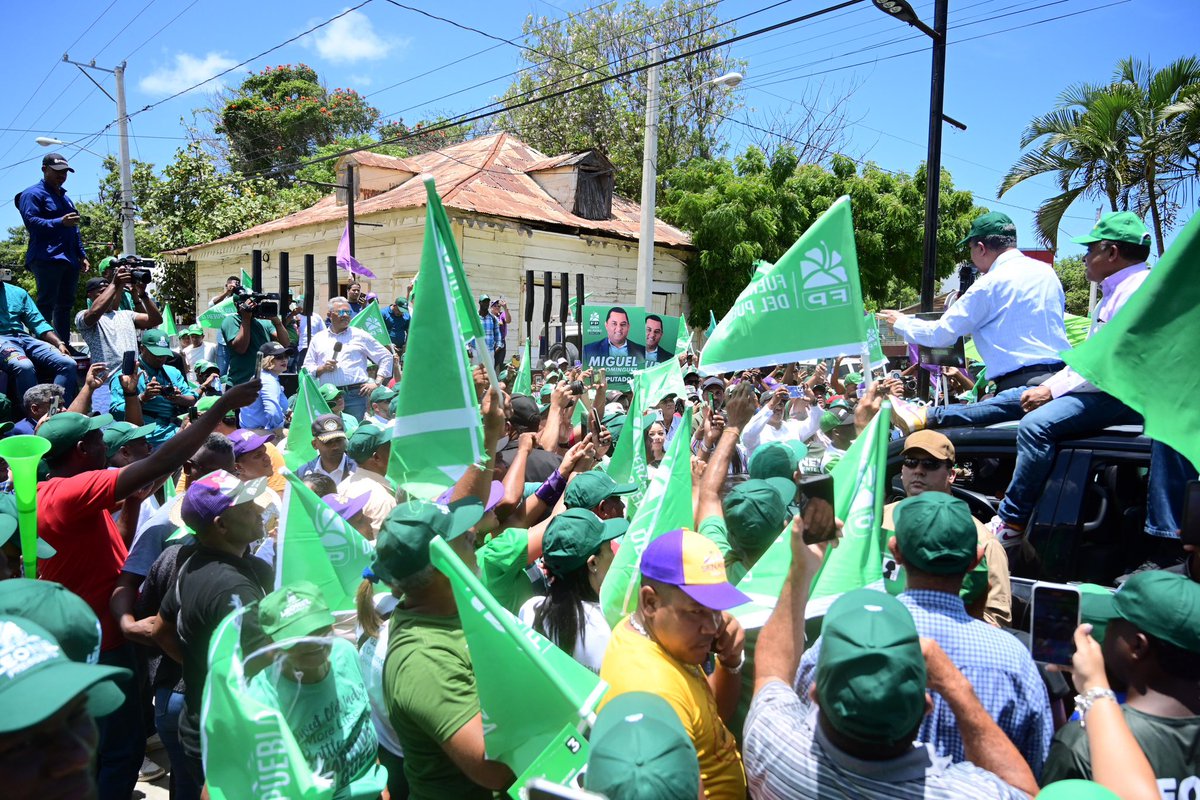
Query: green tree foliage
[1075,284]
[1131,142]
[423,136]
[753,208]
[610,117]
[281,115]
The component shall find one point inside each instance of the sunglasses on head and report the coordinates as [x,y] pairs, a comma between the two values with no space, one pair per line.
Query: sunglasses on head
[927,463]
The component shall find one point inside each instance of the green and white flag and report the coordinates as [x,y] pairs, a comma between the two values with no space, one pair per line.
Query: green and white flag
[168,323]
[309,405]
[808,305]
[247,284]
[859,486]
[666,506]
[514,666]
[247,748]
[438,430]
[315,544]
[650,385]
[370,319]
[874,346]
[524,380]
[213,316]
[683,339]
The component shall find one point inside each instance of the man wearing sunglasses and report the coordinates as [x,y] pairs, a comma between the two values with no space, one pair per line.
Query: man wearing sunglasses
[341,356]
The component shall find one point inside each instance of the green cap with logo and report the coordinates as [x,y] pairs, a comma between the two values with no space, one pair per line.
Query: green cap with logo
[1165,605]
[298,609]
[156,341]
[193,330]
[38,678]
[591,488]
[366,439]
[756,511]
[936,533]
[329,392]
[67,429]
[1118,226]
[402,546]
[121,433]
[870,673]
[773,460]
[383,394]
[575,535]
[64,614]
[639,750]
[993,223]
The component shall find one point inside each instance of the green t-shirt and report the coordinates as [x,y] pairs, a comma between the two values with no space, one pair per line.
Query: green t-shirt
[241,365]
[502,562]
[429,689]
[1171,745]
[331,720]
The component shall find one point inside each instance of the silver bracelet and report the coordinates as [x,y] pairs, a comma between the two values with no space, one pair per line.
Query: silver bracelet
[734,670]
[1085,701]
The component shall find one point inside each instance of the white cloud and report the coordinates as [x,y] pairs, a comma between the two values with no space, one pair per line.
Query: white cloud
[187,71]
[360,81]
[351,38]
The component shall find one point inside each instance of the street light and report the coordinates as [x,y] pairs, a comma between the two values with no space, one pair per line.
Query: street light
[645,266]
[47,141]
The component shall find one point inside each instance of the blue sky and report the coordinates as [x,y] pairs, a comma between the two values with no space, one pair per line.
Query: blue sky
[1007,62]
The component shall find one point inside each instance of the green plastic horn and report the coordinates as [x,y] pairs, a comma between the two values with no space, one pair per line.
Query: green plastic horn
[23,454]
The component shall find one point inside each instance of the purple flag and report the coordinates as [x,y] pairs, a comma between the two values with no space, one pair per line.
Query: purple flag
[349,262]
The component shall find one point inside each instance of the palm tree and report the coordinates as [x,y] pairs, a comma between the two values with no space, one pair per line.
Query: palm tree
[1130,143]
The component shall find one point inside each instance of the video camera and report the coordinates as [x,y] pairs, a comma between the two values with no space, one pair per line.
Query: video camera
[139,268]
[265,304]
[6,275]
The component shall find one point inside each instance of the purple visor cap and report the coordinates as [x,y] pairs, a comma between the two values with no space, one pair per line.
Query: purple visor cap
[247,441]
[347,508]
[495,495]
[693,563]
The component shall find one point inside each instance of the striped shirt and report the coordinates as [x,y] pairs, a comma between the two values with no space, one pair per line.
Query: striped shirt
[787,755]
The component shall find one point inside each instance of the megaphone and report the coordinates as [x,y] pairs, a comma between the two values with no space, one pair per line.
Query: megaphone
[23,454]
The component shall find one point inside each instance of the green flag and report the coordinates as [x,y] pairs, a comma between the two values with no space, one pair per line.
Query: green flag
[370,319]
[315,544]
[666,506]
[808,305]
[683,338]
[309,406]
[1155,335]
[514,667]
[524,382]
[650,385]
[213,316]
[247,747]
[859,485]
[712,326]
[247,284]
[874,346]
[438,431]
[168,324]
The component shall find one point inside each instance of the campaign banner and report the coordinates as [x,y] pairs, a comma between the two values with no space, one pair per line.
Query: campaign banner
[622,339]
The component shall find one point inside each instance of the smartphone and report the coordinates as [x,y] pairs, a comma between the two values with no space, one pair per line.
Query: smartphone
[1055,617]
[258,362]
[542,789]
[795,392]
[594,424]
[816,487]
[128,362]
[1190,524]
[55,405]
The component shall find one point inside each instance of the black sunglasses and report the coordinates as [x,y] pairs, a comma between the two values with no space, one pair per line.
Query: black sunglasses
[927,463]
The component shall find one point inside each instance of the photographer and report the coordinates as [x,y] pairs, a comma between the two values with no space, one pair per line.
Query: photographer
[249,331]
[19,316]
[109,331]
[161,389]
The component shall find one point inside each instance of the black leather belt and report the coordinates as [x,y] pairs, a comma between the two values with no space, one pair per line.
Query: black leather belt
[352,386]
[1026,376]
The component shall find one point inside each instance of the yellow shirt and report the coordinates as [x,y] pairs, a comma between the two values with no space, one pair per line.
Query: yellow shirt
[634,663]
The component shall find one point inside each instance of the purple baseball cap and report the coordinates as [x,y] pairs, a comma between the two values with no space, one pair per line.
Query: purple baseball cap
[495,495]
[347,507]
[211,496]
[693,563]
[247,441]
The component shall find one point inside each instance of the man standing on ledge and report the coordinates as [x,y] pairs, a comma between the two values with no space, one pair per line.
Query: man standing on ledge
[55,255]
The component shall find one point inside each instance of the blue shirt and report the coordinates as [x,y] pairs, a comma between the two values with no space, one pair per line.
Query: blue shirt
[267,410]
[397,325]
[50,240]
[159,411]
[1000,670]
[491,333]
[18,314]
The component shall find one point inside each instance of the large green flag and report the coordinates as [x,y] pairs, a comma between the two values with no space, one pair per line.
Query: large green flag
[168,323]
[247,284]
[514,667]
[874,346]
[524,381]
[666,506]
[1155,335]
[807,305]
[438,431]
[309,406]
[315,544]
[247,747]
[683,338]
[859,486]
[650,385]
[370,319]
[213,316]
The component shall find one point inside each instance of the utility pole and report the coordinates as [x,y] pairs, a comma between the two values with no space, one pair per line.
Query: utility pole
[645,266]
[128,245]
[351,191]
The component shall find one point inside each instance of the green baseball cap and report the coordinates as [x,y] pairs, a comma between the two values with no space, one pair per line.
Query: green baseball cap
[64,614]
[1165,605]
[105,263]
[203,404]
[329,392]
[202,366]
[67,429]
[367,438]
[870,673]
[298,609]
[1077,789]
[155,340]
[383,394]
[615,424]
[121,433]
[574,535]
[936,533]
[193,330]
[853,377]
[38,678]
[836,418]
[1117,226]
[639,750]
[993,223]
[756,511]
[10,525]
[402,546]
[591,488]
[773,460]
[1096,606]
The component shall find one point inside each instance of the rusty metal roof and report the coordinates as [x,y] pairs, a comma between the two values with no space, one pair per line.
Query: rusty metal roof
[368,159]
[488,176]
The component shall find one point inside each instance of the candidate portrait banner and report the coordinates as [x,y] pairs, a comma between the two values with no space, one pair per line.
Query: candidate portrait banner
[621,339]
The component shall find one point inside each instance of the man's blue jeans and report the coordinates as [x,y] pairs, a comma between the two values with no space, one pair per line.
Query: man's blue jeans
[122,733]
[1040,430]
[167,707]
[356,404]
[1004,407]
[1169,474]
[23,371]
[57,282]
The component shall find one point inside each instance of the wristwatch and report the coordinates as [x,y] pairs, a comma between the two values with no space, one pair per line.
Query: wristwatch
[734,670]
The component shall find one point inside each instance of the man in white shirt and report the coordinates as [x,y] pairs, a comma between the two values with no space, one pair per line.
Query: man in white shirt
[196,349]
[340,355]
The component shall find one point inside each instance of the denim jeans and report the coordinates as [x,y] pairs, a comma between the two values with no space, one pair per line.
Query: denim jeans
[1038,434]
[1004,407]
[1169,474]
[167,706]
[23,371]
[356,404]
[122,733]
[56,285]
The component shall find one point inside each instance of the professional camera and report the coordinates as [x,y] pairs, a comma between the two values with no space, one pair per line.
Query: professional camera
[6,275]
[139,268]
[265,304]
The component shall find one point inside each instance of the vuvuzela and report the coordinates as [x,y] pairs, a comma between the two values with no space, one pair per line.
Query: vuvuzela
[23,454]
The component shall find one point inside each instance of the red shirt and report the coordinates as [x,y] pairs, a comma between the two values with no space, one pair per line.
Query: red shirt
[74,518]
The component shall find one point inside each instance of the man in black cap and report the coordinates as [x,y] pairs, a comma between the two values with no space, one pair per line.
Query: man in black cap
[55,255]
[526,418]
[329,439]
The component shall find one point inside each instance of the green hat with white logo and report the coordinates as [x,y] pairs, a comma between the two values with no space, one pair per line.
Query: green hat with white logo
[64,614]
[156,341]
[993,223]
[1119,226]
[298,609]
[121,433]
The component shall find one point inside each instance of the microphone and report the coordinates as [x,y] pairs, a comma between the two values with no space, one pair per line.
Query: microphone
[337,348]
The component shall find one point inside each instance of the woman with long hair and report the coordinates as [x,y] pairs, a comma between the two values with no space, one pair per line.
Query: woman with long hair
[656,443]
[576,553]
